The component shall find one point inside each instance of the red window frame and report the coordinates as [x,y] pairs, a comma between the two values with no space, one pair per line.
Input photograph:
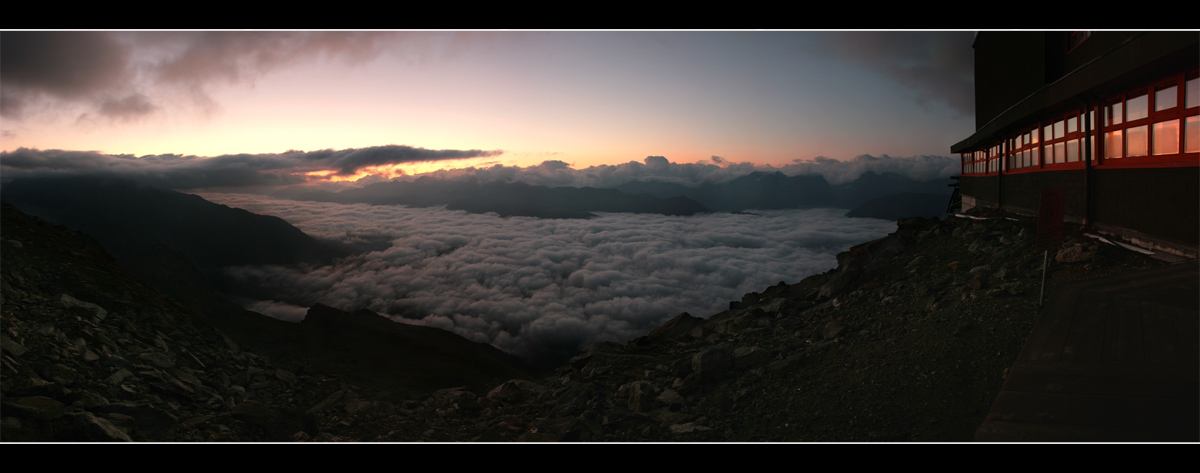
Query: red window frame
[983,162]
[1057,139]
[1145,126]
[1025,151]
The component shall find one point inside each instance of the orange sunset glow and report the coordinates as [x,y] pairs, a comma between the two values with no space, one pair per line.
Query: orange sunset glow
[584,98]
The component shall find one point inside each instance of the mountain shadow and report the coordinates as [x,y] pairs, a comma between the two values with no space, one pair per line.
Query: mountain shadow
[898,206]
[505,198]
[774,190]
[127,217]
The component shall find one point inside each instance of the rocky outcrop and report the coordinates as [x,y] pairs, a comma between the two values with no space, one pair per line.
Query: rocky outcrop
[89,354]
[367,347]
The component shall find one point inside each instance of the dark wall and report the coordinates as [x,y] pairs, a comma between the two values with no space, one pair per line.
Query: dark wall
[1098,43]
[1008,67]
[1163,202]
[985,189]
[1023,192]
[1011,65]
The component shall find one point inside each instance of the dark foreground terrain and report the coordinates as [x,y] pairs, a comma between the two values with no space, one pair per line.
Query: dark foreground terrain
[909,339]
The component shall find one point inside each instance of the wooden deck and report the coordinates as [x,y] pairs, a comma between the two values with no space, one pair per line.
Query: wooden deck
[1112,359]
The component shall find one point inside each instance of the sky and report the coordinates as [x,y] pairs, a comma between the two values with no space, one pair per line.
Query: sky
[320,106]
[230,113]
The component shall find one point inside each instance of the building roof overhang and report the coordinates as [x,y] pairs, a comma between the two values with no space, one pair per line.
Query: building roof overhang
[1147,54]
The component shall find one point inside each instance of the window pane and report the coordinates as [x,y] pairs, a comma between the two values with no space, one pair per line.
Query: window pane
[1136,141]
[1058,129]
[1166,137]
[1166,98]
[1112,114]
[1060,155]
[1193,93]
[1113,144]
[1033,157]
[1071,125]
[1191,136]
[1137,108]
[1047,133]
[1072,151]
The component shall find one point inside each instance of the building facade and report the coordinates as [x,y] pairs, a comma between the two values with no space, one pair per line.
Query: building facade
[1111,117]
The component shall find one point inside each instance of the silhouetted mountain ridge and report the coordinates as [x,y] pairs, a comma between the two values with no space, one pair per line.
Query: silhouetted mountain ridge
[757,190]
[898,206]
[775,190]
[504,198]
[128,217]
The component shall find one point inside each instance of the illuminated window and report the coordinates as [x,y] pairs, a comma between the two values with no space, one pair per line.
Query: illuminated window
[1166,98]
[1166,137]
[1113,144]
[1191,135]
[1112,114]
[1193,93]
[1137,108]
[1148,121]
[1191,124]
[1136,141]
[1023,149]
[1061,139]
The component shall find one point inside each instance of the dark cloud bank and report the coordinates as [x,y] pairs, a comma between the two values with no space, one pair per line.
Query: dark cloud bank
[121,75]
[173,171]
[714,170]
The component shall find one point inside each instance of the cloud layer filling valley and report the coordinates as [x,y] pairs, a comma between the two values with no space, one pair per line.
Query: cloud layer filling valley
[543,288]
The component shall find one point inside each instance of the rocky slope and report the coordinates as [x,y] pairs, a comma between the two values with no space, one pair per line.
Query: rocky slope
[907,340]
[92,354]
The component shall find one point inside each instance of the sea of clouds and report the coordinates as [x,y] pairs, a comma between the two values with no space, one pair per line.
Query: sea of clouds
[543,288]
